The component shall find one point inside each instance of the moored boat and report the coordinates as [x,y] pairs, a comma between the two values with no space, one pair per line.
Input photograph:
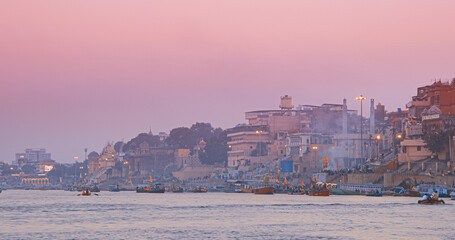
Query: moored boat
[297,191]
[151,189]
[337,191]
[115,189]
[373,194]
[264,190]
[246,190]
[314,192]
[197,190]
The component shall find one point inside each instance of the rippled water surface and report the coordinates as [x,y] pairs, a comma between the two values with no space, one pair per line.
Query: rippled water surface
[129,215]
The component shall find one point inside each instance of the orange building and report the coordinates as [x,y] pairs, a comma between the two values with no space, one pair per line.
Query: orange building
[440,94]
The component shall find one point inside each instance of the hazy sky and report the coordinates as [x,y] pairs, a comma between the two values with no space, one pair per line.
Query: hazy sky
[76,74]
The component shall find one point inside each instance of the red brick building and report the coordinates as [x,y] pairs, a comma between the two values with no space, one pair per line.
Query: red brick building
[440,94]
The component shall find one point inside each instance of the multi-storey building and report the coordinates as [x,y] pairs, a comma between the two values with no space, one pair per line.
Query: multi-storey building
[32,156]
[440,94]
[275,130]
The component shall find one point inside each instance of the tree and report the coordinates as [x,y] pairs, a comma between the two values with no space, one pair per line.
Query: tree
[215,150]
[142,137]
[435,141]
[202,131]
[182,137]
[28,169]
[59,171]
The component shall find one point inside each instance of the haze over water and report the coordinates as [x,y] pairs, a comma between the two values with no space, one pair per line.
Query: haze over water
[128,215]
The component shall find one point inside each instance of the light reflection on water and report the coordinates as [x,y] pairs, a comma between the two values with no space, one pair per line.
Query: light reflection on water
[128,215]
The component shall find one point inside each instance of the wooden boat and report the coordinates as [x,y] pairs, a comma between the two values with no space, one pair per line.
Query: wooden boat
[431,201]
[319,193]
[246,190]
[115,189]
[373,194]
[151,189]
[264,190]
[86,192]
[197,190]
[296,192]
[177,188]
[337,191]
[400,192]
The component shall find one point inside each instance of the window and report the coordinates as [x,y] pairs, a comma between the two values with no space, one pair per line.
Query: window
[419,148]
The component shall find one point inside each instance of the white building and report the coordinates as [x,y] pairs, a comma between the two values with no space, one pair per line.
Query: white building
[32,156]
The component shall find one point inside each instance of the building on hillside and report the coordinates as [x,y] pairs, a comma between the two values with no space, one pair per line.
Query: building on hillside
[93,163]
[31,156]
[45,165]
[413,150]
[248,148]
[441,94]
[433,120]
[277,125]
[380,113]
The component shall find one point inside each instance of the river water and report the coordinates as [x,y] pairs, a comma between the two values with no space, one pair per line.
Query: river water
[129,215]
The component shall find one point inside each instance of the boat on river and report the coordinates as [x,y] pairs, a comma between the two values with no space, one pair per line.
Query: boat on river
[400,192]
[246,190]
[297,191]
[197,190]
[86,192]
[264,190]
[428,189]
[337,191]
[158,188]
[373,194]
[177,188]
[431,201]
[314,192]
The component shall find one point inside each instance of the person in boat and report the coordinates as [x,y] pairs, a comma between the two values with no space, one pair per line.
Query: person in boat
[435,195]
[425,197]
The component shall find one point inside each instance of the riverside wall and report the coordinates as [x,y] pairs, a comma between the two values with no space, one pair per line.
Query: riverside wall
[394,179]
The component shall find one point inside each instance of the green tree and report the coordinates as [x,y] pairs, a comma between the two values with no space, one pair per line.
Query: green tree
[436,141]
[28,169]
[182,137]
[215,150]
[202,131]
[142,137]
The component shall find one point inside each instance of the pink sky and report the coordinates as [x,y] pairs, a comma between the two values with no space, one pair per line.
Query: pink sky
[76,74]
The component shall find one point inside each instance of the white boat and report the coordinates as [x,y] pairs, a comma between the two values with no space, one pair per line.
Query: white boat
[452,196]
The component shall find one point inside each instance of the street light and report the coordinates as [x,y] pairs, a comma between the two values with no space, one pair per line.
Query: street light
[315,148]
[361,98]
[378,138]
[399,136]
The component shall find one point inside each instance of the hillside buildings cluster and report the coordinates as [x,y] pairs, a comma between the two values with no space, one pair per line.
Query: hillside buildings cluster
[300,140]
